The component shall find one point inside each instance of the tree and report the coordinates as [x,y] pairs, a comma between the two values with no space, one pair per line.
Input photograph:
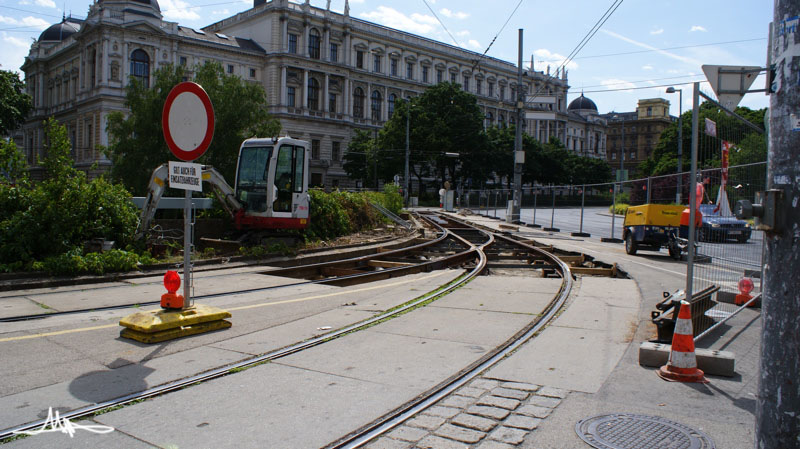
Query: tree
[137,141]
[355,160]
[444,119]
[663,159]
[14,102]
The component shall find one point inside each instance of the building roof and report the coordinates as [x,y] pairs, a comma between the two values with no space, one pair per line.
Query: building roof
[152,3]
[60,31]
[582,103]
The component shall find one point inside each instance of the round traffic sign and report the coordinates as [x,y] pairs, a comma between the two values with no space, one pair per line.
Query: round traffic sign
[188,121]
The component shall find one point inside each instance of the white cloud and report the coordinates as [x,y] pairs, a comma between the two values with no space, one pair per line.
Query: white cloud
[177,10]
[473,44]
[453,15]
[30,21]
[614,83]
[543,55]
[223,12]
[697,28]
[647,67]
[416,23]
[658,31]
[45,3]
[14,52]
[462,33]
[362,1]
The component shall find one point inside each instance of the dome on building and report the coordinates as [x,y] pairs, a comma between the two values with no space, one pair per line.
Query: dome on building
[582,103]
[151,3]
[59,31]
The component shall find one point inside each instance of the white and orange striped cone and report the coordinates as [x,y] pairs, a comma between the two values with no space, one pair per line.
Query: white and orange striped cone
[682,364]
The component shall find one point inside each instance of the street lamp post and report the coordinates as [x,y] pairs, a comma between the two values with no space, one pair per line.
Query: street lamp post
[672,90]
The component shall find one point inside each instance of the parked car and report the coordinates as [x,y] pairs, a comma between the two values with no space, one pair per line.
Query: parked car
[718,228]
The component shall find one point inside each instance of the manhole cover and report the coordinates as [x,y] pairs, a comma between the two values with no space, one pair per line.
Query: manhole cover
[629,431]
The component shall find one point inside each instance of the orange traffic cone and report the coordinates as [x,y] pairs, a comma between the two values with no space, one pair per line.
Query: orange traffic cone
[682,364]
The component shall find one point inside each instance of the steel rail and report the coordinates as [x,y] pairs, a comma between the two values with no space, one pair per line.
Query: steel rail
[350,279]
[425,400]
[272,355]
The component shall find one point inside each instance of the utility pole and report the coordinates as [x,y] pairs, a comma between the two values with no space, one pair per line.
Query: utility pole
[408,152]
[519,154]
[778,402]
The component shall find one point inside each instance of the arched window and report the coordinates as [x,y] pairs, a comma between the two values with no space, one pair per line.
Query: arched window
[313,94]
[313,44]
[392,99]
[140,66]
[377,102]
[358,103]
[489,119]
[512,120]
[501,121]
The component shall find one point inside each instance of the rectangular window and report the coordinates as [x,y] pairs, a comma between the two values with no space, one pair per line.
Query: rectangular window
[332,102]
[439,76]
[335,150]
[314,44]
[230,68]
[633,155]
[491,89]
[613,156]
[293,43]
[359,59]
[314,148]
[394,67]
[424,74]
[252,73]
[502,93]
[290,97]
[478,87]
[334,53]
[466,83]
[453,77]
[183,61]
[410,70]
[376,63]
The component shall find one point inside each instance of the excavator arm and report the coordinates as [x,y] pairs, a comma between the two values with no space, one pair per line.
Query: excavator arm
[159,182]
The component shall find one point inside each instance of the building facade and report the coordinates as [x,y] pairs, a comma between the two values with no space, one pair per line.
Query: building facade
[325,74]
[632,136]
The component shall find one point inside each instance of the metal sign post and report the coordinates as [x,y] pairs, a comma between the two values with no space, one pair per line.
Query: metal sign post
[188,123]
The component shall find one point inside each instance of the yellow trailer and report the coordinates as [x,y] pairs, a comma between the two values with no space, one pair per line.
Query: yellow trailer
[653,226]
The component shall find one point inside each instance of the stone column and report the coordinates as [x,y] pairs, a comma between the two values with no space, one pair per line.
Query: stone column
[305,89]
[325,94]
[282,87]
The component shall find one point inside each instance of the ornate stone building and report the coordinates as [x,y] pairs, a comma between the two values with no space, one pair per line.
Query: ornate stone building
[642,129]
[325,74]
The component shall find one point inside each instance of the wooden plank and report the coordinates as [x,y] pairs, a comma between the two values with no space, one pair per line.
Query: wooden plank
[387,264]
[574,260]
[333,271]
[595,271]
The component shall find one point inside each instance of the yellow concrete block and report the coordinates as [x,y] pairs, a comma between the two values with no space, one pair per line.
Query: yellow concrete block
[170,334]
[160,320]
[654,215]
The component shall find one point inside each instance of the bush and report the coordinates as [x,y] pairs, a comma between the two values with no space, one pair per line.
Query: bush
[53,219]
[621,209]
[340,213]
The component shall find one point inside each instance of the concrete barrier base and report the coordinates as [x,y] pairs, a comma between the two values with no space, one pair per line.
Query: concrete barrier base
[715,363]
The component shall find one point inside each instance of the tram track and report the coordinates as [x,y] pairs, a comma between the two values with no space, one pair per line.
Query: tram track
[349,271]
[478,247]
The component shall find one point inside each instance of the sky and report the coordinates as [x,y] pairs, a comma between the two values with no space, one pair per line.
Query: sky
[643,47]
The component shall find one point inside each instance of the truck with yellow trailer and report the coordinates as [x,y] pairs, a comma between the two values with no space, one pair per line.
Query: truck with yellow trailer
[656,226]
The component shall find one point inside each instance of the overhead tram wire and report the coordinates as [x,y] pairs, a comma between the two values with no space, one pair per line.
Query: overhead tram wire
[672,48]
[441,23]
[589,35]
[478,61]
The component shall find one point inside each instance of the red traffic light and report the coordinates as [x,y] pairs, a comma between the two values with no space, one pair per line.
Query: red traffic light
[746,286]
[172,281]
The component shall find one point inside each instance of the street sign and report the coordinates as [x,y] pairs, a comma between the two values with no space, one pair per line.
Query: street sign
[185,176]
[188,121]
[730,82]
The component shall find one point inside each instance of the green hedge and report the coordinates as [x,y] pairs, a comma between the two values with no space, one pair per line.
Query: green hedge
[340,213]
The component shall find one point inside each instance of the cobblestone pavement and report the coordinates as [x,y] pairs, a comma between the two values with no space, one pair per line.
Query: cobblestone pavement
[484,414]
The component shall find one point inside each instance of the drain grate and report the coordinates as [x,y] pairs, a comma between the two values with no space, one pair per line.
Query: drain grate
[629,431]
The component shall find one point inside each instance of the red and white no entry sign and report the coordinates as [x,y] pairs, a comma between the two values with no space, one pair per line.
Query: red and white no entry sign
[188,121]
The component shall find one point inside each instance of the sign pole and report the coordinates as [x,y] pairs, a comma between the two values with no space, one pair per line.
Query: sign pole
[187,249]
